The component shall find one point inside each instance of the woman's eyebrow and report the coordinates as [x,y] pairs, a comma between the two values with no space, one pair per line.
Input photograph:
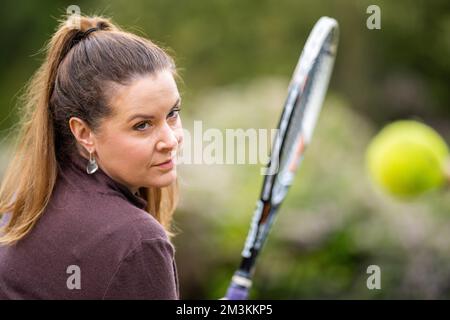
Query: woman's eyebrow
[146,116]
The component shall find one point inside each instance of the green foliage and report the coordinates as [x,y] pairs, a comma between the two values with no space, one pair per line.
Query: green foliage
[401,70]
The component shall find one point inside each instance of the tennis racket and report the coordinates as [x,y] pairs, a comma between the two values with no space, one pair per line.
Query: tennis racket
[306,93]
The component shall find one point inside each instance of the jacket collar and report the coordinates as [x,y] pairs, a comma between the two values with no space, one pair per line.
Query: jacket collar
[99,181]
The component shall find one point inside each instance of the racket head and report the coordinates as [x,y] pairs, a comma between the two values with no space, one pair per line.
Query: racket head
[306,93]
[305,96]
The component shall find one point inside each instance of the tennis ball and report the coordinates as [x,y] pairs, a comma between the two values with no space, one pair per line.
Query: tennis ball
[407,158]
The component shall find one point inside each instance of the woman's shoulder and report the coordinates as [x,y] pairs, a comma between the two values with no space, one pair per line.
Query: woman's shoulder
[107,217]
[110,240]
[96,214]
[134,222]
[118,218]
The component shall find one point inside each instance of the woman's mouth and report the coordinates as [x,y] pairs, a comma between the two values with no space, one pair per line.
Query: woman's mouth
[166,165]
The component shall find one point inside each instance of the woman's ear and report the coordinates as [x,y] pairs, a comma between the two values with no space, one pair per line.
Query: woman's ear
[82,133]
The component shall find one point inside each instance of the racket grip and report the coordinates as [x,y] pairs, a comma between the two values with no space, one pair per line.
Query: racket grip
[236,292]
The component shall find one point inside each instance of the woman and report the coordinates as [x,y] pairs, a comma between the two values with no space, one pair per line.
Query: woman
[91,189]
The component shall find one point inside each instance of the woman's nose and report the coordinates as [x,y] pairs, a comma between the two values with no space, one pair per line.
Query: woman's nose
[168,140]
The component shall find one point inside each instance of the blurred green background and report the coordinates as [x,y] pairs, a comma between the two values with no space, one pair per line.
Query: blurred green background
[236,58]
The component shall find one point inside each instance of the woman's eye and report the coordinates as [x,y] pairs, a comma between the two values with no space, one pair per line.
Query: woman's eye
[174,113]
[144,125]
[141,126]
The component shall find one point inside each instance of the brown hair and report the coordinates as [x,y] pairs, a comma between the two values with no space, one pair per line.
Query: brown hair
[73,80]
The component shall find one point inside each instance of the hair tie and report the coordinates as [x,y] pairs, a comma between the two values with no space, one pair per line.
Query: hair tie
[87,32]
[82,35]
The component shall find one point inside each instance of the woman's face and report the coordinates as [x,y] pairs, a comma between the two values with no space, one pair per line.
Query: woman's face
[144,131]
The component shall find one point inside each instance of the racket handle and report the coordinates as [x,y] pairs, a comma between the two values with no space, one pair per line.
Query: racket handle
[236,292]
[239,287]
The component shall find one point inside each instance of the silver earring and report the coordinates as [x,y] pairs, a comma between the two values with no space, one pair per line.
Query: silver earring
[92,164]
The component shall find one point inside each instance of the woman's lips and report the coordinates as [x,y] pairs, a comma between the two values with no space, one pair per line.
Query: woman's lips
[166,165]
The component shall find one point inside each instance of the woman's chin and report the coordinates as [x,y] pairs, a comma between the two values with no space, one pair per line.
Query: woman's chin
[164,180]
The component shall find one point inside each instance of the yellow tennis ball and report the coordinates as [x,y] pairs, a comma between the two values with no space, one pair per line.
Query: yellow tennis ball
[407,158]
